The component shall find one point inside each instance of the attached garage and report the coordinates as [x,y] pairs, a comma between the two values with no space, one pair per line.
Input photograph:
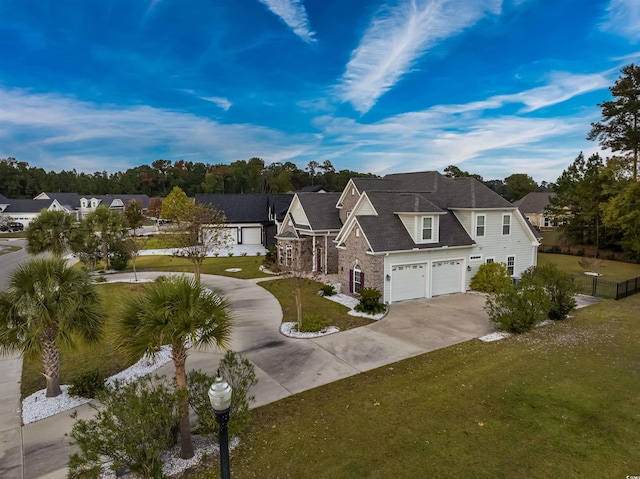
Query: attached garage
[408,281]
[446,277]
[251,235]
[229,235]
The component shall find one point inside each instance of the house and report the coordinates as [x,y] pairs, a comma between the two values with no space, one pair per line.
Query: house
[250,219]
[306,237]
[82,205]
[25,211]
[533,205]
[416,235]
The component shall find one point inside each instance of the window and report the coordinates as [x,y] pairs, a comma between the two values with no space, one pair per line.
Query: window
[289,255]
[357,232]
[83,203]
[281,255]
[490,260]
[546,222]
[480,224]
[506,224]
[427,229]
[358,279]
[477,257]
[511,263]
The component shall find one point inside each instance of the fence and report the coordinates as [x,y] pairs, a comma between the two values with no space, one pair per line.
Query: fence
[593,286]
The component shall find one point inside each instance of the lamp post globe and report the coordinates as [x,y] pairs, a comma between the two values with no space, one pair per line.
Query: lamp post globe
[220,396]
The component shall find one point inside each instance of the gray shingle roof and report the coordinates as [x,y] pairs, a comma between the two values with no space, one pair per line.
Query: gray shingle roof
[27,206]
[321,210]
[534,202]
[247,208]
[386,232]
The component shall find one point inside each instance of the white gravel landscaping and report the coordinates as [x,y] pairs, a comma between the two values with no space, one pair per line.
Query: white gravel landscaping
[289,329]
[351,302]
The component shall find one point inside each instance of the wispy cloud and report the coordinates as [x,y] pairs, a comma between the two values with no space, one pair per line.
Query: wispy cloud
[293,13]
[60,132]
[622,18]
[397,37]
[218,101]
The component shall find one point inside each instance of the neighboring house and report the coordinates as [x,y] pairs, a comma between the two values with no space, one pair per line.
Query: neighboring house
[417,235]
[85,204]
[25,211]
[532,206]
[312,189]
[306,237]
[250,219]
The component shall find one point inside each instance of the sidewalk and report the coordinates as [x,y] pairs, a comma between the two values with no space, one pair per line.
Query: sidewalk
[11,465]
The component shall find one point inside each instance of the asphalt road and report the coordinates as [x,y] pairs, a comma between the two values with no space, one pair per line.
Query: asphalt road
[9,261]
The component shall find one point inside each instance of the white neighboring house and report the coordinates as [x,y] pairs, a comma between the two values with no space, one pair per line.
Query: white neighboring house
[25,211]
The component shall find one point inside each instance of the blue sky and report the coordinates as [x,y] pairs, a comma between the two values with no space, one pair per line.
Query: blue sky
[493,86]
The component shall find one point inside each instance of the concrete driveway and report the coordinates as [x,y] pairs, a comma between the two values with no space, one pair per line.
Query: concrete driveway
[285,366]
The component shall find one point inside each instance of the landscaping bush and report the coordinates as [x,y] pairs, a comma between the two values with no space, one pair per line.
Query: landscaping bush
[558,285]
[370,301]
[119,255]
[270,260]
[87,384]
[491,278]
[519,308]
[312,323]
[134,424]
[328,290]
[240,373]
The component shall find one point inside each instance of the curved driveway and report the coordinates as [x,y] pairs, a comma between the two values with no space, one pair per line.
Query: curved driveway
[286,366]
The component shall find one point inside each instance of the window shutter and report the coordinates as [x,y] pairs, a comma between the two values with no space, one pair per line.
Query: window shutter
[361,279]
[351,281]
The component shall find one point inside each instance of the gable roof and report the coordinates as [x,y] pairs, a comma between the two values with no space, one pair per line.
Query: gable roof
[386,232]
[70,201]
[320,210]
[245,208]
[312,189]
[534,202]
[27,206]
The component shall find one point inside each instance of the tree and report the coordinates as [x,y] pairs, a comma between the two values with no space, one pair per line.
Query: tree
[50,232]
[557,284]
[519,308]
[110,225]
[48,305]
[491,278]
[201,234]
[577,204]
[518,185]
[155,207]
[619,128]
[452,171]
[133,215]
[312,167]
[182,313]
[177,207]
[623,212]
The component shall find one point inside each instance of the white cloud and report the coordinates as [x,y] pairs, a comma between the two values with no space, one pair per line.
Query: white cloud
[293,13]
[397,37]
[622,18]
[218,101]
[59,132]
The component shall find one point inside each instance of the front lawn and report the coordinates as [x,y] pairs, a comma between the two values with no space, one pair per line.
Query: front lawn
[610,270]
[560,401]
[249,265]
[314,308]
[97,356]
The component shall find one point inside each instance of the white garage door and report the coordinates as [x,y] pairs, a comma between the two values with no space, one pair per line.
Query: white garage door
[408,281]
[230,236]
[251,235]
[446,277]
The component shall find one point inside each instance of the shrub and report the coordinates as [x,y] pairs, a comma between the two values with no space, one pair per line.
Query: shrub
[555,249]
[133,425]
[313,323]
[491,278]
[370,301]
[328,290]
[558,286]
[230,254]
[88,384]
[240,373]
[119,255]
[244,253]
[518,308]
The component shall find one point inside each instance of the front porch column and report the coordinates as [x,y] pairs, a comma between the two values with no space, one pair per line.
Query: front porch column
[314,259]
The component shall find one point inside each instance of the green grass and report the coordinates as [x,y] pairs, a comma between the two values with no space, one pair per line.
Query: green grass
[21,234]
[159,241]
[316,309]
[249,265]
[9,249]
[560,401]
[101,356]
[610,270]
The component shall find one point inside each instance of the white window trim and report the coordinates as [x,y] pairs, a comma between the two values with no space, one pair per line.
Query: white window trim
[484,226]
[506,215]
[357,272]
[512,273]
[475,257]
[434,229]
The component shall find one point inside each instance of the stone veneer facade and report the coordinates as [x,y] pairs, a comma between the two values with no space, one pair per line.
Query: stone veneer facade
[372,266]
[349,200]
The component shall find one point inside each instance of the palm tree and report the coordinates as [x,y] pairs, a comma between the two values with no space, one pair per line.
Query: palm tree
[110,225]
[181,313]
[51,231]
[48,305]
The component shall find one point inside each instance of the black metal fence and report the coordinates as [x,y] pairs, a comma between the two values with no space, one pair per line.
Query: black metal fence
[594,286]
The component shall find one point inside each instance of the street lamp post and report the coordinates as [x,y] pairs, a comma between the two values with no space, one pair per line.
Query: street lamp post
[220,397]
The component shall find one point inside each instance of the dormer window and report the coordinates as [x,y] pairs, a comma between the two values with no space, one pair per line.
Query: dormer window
[427,228]
[83,202]
[94,203]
